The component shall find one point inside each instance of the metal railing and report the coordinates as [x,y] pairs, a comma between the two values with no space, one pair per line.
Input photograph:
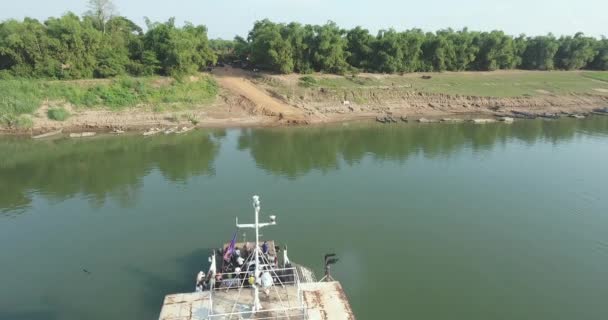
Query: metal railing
[236,280]
[281,277]
[294,313]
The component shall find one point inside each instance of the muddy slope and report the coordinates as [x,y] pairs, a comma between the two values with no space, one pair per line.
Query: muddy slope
[328,103]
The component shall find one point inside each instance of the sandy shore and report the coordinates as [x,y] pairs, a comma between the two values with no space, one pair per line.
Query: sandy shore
[105,121]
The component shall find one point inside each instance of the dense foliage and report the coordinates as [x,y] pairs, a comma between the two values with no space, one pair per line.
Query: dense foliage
[102,44]
[293,47]
[58,114]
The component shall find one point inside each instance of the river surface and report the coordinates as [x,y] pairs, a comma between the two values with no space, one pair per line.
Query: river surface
[430,221]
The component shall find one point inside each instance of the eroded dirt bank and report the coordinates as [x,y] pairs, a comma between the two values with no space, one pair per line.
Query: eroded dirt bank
[246,101]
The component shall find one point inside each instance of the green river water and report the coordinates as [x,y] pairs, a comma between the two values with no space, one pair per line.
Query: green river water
[430,221]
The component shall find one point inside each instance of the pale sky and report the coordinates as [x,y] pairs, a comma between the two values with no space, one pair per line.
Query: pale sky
[227,18]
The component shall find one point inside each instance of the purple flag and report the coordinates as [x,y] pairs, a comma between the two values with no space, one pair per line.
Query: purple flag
[230,250]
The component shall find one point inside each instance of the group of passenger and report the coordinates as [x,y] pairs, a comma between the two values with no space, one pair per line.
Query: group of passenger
[237,271]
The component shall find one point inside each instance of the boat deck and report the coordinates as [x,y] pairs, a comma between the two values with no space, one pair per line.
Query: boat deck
[323,300]
[247,247]
[326,300]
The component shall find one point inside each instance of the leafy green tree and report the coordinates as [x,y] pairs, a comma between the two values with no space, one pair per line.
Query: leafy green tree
[329,49]
[110,62]
[520,44]
[361,46]
[411,43]
[150,64]
[263,35]
[121,49]
[74,45]
[269,49]
[102,44]
[496,51]
[242,48]
[398,51]
[223,49]
[436,50]
[26,48]
[179,51]
[540,53]
[203,55]
[465,49]
[575,52]
[301,40]
[126,39]
[447,50]
[389,55]
[600,62]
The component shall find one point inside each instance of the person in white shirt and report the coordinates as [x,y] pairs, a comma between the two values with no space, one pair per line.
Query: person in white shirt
[266,282]
[200,281]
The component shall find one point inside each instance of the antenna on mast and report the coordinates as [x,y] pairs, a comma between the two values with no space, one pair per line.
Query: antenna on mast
[257,225]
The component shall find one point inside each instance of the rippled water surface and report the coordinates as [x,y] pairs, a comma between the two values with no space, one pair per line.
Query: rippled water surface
[430,221]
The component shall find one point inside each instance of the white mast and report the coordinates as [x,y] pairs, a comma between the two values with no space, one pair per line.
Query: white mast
[257,225]
[212,272]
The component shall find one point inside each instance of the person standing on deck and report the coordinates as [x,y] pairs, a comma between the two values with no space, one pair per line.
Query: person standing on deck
[219,278]
[200,281]
[266,282]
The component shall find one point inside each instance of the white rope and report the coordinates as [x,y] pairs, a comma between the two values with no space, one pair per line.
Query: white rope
[277,291]
[264,260]
[240,289]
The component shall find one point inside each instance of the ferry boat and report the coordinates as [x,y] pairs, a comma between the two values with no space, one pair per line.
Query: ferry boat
[253,282]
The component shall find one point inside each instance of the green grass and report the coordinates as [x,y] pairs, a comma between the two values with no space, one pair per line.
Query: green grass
[19,96]
[307,81]
[489,84]
[192,119]
[602,76]
[348,82]
[58,114]
[13,121]
[25,96]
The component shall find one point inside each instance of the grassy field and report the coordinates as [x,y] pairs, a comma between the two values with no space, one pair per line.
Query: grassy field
[488,84]
[602,76]
[20,97]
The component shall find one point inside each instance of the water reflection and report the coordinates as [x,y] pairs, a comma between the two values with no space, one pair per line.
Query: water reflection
[296,151]
[454,212]
[98,168]
[111,167]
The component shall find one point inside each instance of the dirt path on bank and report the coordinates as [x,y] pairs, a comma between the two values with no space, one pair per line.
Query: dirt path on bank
[236,82]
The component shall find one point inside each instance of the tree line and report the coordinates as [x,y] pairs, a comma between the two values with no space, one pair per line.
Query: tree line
[301,48]
[102,45]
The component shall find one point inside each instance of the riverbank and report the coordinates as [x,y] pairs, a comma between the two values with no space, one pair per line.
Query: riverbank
[457,194]
[233,97]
